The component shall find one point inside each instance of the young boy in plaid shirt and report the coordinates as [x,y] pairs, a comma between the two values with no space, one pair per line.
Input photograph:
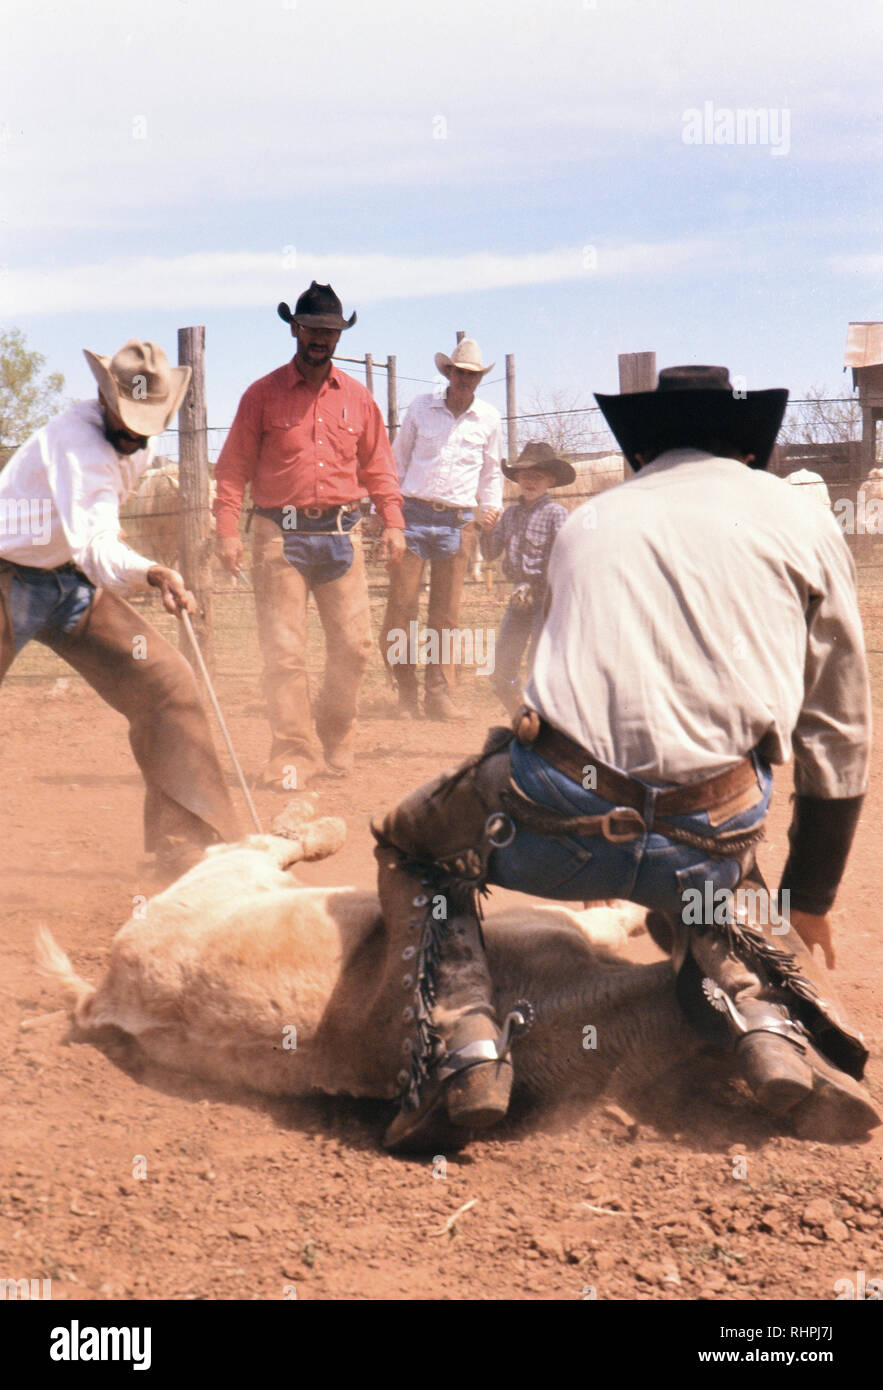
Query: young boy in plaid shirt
[524,536]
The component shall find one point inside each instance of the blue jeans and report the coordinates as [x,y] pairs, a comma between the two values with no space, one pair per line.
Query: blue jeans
[519,629]
[319,555]
[430,534]
[650,870]
[52,599]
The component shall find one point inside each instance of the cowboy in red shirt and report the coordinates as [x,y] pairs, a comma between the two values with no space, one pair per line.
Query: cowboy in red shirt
[310,442]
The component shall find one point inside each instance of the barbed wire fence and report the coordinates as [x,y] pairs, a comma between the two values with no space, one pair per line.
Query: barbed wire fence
[821,433]
[581,429]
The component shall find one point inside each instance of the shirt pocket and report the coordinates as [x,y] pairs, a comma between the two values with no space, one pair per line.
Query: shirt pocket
[472,439]
[280,438]
[344,436]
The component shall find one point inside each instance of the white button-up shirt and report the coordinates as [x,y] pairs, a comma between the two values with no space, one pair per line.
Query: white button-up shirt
[448,458]
[60,497]
[701,609]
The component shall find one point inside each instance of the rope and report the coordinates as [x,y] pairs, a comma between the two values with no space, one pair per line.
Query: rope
[188,628]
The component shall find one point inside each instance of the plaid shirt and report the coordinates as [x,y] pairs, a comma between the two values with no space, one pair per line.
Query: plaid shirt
[524,536]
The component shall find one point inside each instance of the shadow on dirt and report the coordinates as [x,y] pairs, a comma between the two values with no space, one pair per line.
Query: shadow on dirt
[702,1106]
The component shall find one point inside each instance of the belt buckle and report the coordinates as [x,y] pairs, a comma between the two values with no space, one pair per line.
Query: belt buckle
[313,512]
[619,836]
[438,506]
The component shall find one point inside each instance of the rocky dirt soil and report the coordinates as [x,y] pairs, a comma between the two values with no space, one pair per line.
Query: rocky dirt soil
[119,1180]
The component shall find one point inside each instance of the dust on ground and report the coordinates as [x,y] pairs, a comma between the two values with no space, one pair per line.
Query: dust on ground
[247,1197]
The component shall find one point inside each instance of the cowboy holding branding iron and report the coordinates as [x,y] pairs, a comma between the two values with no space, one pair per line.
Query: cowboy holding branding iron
[62,586]
[311,442]
[702,624]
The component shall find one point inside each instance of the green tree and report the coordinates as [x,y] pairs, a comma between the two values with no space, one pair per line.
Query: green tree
[27,398]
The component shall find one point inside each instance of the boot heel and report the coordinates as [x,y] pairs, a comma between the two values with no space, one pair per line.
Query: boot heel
[479,1096]
[776,1072]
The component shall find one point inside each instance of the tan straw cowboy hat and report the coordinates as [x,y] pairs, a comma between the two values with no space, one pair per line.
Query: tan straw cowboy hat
[140,386]
[466,356]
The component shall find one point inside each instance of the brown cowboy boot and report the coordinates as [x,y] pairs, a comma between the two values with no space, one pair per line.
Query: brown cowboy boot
[788,1075]
[779,1055]
[455,1080]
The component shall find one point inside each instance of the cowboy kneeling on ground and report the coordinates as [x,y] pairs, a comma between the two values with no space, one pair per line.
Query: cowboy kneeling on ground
[670,673]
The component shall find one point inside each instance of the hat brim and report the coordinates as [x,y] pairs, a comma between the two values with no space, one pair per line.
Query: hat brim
[147,418]
[445,365]
[649,422]
[562,471]
[336,321]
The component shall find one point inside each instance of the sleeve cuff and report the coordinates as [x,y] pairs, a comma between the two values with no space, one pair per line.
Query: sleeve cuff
[393,517]
[820,837]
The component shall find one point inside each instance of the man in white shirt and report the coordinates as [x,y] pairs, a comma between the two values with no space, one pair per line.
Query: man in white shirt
[63,565]
[702,623]
[447,453]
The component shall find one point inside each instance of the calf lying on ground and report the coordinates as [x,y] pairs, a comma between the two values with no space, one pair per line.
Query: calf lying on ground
[238,974]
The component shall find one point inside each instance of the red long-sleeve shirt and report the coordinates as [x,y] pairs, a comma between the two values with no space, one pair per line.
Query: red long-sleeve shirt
[305,446]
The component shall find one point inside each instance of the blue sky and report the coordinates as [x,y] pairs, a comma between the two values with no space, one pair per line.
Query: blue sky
[518,170]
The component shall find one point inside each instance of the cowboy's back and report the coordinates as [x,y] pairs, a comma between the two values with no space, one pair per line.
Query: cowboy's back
[700,610]
[702,622]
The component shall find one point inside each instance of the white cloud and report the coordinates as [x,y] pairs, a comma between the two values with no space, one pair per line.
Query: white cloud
[260,101]
[870,263]
[245,279]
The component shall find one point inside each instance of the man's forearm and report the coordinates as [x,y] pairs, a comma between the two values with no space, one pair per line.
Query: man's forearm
[820,837]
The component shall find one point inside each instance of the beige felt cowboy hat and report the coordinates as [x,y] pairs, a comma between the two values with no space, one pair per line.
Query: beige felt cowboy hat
[140,386]
[466,356]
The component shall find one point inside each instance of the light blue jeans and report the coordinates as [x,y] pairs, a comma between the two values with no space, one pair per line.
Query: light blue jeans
[430,534]
[650,870]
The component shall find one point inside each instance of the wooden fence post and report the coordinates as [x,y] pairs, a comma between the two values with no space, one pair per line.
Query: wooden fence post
[369,372]
[511,408]
[193,496]
[392,411]
[637,372]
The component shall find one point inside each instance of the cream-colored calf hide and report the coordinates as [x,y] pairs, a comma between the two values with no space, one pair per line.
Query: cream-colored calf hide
[237,973]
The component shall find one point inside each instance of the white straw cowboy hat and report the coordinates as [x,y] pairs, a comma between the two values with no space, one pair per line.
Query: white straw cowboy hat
[466,356]
[140,386]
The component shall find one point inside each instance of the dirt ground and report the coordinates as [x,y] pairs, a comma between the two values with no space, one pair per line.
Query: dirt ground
[245,1197]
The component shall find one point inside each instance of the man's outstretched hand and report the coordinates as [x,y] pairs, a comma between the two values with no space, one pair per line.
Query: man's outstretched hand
[815,931]
[175,597]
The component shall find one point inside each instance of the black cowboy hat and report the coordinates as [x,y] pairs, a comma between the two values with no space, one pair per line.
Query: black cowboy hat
[538,454]
[694,405]
[317,307]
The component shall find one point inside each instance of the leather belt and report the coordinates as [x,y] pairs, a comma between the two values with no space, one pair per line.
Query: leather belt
[576,762]
[619,826]
[315,512]
[441,507]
